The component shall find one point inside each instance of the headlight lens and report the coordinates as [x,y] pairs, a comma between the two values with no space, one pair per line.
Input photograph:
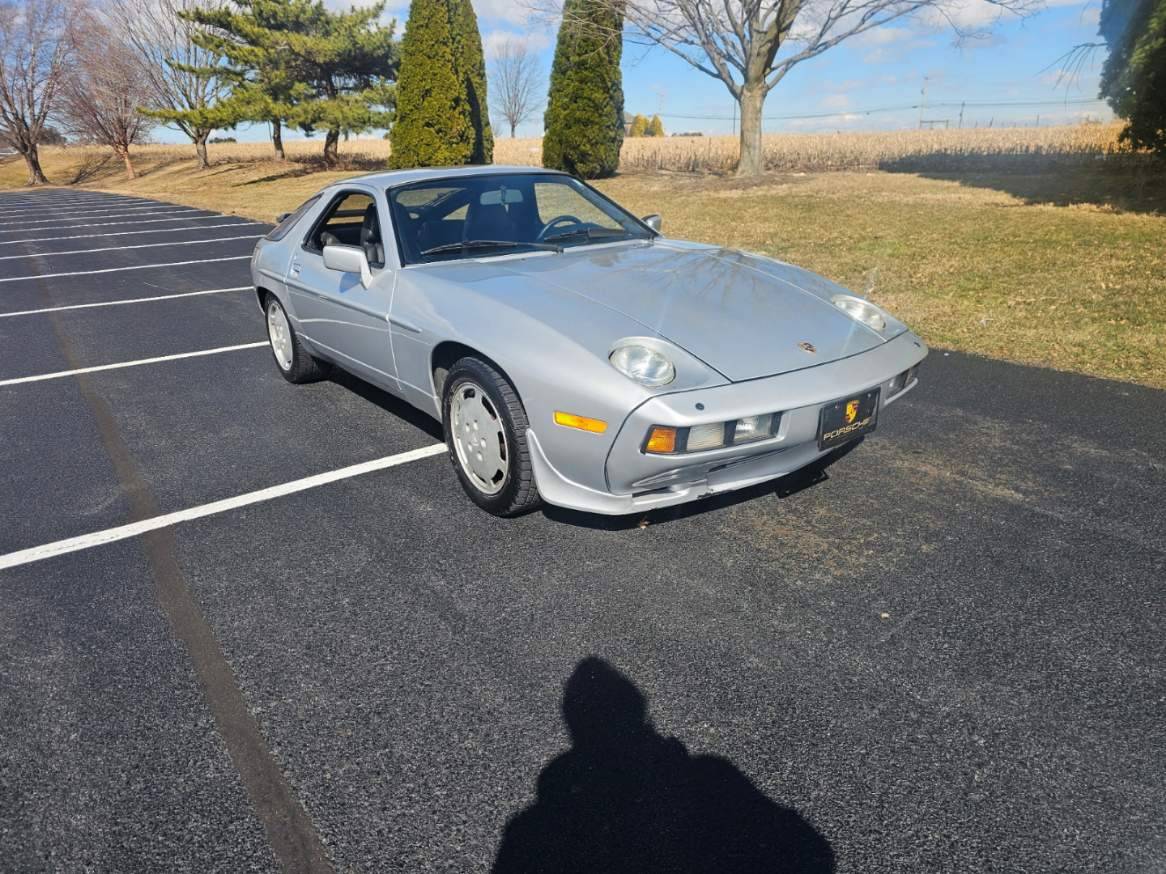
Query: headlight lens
[706,437]
[752,428]
[645,366]
[860,310]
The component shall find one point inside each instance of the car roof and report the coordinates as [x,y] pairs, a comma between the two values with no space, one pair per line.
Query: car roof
[393,178]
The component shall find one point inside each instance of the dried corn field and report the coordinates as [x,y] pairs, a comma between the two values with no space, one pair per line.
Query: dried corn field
[930,149]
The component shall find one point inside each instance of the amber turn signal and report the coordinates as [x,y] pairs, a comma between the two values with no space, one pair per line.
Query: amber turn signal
[661,440]
[583,423]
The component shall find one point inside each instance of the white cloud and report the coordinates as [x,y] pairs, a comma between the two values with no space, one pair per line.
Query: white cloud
[534,40]
[881,36]
[509,11]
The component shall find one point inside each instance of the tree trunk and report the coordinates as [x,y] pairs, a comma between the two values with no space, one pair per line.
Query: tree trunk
[123,152]
[331,147]
[277,139]
[36,176]
[200,150]
[512,126]
[752,162]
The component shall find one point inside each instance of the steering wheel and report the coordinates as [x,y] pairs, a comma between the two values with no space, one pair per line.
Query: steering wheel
[557,221]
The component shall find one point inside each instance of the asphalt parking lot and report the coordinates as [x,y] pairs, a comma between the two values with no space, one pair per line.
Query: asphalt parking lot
[944,653]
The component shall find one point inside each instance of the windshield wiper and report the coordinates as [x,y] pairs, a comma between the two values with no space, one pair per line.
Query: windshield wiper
[489,244]
[590,234]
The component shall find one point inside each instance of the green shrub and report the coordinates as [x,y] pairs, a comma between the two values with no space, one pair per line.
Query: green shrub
[584,117]
[441,89]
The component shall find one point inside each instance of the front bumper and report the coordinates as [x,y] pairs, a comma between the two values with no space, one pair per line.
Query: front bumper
[638,481]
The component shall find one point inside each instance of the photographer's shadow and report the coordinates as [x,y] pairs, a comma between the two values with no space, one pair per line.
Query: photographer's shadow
[626,799]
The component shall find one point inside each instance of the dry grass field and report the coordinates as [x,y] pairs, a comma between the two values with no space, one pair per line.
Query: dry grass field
[1044,246]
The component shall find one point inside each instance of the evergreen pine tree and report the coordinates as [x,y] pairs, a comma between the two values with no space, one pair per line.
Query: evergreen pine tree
[295,61]
[584,117]
[1134,75]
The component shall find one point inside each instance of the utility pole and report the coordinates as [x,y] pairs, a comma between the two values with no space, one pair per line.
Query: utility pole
[922,100]
[962,104]
[734,118]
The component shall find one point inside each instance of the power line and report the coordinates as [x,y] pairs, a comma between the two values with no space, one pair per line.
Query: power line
[970,104]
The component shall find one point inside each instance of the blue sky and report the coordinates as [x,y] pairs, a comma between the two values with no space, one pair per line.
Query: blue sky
[886,67]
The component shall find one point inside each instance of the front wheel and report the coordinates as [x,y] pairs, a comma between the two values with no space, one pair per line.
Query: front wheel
[485,431]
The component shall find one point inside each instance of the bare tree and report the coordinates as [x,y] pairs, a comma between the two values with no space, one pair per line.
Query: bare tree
[750,45]
[514,85]
[184,91]
[102,100]
[36,47]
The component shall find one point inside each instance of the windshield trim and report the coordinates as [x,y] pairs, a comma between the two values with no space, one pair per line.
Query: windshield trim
[532,253]
[390,190]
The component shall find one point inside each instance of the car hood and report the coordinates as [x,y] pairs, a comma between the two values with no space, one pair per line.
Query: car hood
[743,315]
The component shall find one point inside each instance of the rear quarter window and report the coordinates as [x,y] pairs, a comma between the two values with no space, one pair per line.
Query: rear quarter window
[282,229]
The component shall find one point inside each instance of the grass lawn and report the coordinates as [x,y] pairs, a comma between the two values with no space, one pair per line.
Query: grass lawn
[1064,269]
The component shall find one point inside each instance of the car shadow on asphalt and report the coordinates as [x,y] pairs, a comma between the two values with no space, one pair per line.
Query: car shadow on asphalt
[782,487]
[624,798]
[388,403]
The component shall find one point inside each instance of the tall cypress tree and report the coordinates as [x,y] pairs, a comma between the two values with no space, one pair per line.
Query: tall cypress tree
[470,64]
[584,117]
[442,117]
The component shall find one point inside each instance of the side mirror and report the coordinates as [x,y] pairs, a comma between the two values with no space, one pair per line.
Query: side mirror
[653,221]
[279,218]
[348,259]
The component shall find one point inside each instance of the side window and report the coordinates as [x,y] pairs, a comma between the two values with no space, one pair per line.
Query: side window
[341,224]
[282,229]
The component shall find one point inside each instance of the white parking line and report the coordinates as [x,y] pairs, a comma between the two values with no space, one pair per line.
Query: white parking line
[117,303]
[170,210]
[55,196]
[119,269]
[48,213]
[65,204]
[135,529]
[131,233]
[154,221]
[47,200]
[137,246]
[62,374]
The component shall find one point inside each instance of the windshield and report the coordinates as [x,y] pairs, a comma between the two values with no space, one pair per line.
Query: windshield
[498,214]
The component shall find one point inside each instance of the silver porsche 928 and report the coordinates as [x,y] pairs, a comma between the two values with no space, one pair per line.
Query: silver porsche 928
[572,352]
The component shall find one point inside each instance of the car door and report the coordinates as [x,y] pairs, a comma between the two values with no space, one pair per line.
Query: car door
[347,322]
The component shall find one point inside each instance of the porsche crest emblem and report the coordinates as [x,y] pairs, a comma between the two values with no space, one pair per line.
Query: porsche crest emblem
[851,411]
[807,346]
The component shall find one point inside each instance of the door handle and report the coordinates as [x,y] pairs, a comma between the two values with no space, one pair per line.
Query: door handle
[295,269]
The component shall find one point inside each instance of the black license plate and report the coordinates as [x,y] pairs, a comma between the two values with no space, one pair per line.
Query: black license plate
[848,419]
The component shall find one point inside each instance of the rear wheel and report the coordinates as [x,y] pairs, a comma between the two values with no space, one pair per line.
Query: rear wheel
[293,360]
[485,431]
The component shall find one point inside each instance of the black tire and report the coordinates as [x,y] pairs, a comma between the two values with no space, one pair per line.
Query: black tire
[518,492]
[304,367]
